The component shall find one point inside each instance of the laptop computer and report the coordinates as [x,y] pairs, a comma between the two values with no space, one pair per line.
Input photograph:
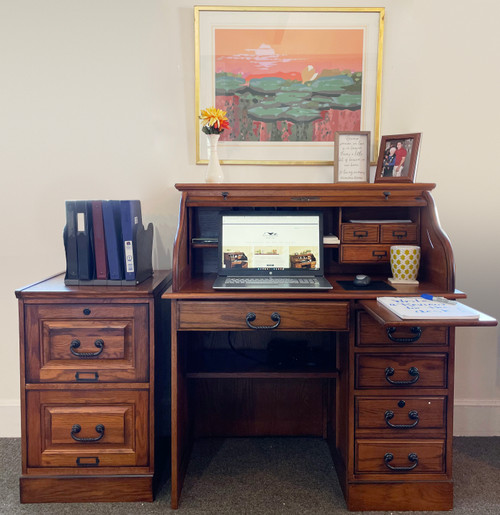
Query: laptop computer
[271,250]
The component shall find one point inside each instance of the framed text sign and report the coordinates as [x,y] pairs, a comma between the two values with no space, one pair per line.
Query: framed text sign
[288,79]
[352,157]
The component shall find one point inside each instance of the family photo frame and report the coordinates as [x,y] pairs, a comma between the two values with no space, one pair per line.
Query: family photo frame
[287,80]
[398,158]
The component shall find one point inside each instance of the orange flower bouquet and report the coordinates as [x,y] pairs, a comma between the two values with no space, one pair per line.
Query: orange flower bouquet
[214,120]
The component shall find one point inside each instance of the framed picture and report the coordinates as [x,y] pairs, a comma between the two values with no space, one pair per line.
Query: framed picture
[288,79]
[397,160]
[352,157]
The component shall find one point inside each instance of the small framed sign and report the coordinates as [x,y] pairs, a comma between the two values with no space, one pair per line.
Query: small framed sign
[352,157]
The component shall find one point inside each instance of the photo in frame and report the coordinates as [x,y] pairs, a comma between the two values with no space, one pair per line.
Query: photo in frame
[288,79]
[398,158]
[351,162]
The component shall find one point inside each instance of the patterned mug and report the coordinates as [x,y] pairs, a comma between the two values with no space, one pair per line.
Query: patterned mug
[405,262]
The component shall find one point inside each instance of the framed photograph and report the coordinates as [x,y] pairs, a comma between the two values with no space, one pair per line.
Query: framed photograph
[398,157]
[352,157]
[288,79]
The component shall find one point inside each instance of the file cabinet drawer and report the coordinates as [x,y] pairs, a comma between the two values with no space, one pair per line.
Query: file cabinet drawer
[370,332]
[401,370]
[223,316]
[88,429]
[360,233]
[398,233]
[365,253]
[400,457]
[85,342]
[402,415]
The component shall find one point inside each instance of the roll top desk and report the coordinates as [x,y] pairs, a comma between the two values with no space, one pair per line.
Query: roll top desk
[337,365]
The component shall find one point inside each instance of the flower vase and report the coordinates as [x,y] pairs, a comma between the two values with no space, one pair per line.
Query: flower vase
[214,169]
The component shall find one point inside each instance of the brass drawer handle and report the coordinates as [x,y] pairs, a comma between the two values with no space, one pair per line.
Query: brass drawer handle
[412,415]
[86,355]
[275,317]
[415,330]
[413,371]
[77,428]
[400,234]
[379,253]
[360,234]
[388,457]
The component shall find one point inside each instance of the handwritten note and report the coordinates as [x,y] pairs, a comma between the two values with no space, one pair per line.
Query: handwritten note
[352,157]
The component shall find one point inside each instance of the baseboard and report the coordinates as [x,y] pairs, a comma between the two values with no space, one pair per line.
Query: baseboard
[10,419]
[476,417]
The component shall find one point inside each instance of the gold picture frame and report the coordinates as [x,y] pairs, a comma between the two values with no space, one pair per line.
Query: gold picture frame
[287,118]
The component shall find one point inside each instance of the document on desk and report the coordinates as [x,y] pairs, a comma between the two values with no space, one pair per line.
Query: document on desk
[410,308]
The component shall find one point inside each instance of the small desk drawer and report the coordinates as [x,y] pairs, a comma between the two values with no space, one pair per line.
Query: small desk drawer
[401,371]
[360,233]
[400,415]
[365,253]
[291,316]
[398,233]
[370,332]
[396,457]
[84,428]
[87,342]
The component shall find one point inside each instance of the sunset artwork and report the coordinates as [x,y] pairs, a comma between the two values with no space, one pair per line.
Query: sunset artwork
[289,85]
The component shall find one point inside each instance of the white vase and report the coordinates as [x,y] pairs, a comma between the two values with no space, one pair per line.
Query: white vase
[214,170]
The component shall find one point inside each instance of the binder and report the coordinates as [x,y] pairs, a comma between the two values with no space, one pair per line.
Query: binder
[131,219]
[101,262]
[84,240]
[70,241]
[113,237]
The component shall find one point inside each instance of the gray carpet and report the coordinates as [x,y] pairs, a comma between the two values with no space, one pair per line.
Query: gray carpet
[267,476]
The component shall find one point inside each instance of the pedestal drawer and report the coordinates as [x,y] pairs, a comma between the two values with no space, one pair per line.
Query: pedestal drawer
[87,343]
[397,457]
[223,316]
[88,429]
[402,415]
[401,370]
[370,332]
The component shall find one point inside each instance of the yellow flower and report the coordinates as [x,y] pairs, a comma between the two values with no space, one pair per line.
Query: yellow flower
[214,120]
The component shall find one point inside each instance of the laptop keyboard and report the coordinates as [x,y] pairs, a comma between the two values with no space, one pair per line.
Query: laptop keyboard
[270,280]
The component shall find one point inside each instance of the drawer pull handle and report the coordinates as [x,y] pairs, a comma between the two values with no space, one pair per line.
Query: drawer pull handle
[413,371]
[87,377]
[77,428]
[400,234]
[412,415]
[86,355]
[417,331]
[388,457]
[379,253]
[84,461]
[361,234]
[87,311]
[275,317]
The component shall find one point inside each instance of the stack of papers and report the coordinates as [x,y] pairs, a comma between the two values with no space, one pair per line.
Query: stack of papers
[408,308]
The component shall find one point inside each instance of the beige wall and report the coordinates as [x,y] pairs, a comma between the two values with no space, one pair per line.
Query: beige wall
[97,101]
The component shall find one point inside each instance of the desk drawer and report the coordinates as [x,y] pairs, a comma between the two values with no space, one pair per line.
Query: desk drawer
[398,233]
[223,316]
[360,233]
[404,456]
[401,371]
[88,429]
[87,342]
[402,415]
[365,253]
[370,332]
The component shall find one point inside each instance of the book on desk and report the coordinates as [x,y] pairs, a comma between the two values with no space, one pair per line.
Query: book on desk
[418,308]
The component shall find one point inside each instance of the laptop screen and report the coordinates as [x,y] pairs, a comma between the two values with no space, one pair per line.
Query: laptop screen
[270,243]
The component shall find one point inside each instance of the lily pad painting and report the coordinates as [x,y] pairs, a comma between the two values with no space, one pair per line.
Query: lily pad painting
[289,84]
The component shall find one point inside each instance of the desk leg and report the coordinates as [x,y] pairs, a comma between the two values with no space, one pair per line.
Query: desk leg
[181,440]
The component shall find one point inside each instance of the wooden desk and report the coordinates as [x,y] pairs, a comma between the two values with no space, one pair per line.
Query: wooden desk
[382,399]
